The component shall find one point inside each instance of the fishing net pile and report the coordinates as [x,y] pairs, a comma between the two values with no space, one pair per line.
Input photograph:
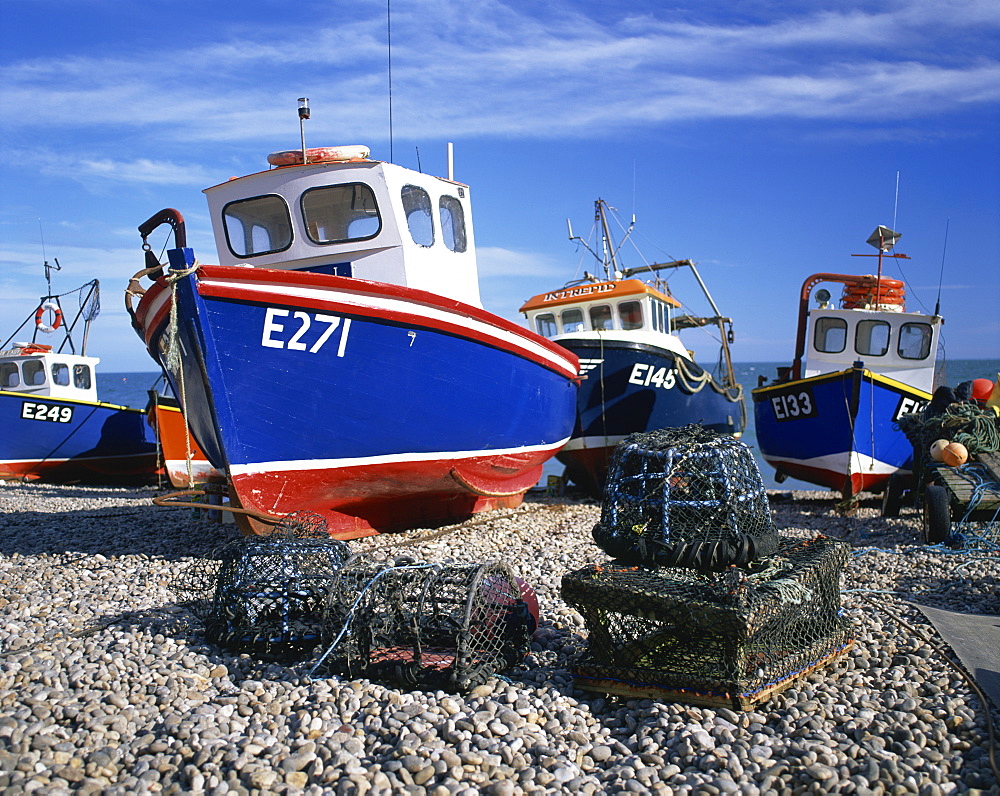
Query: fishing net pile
[704,602]
[297,593]
[433,626]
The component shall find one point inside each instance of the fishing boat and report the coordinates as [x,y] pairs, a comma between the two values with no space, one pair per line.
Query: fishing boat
[54,427]
[831,417]
[338,360]
[637,373]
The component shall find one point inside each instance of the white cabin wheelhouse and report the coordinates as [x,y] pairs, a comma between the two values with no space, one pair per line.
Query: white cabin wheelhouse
[359,218]
[35,369]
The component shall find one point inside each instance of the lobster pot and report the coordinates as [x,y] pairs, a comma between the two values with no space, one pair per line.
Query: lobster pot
[270,593]
[430,626]
[685,497]
[728,640]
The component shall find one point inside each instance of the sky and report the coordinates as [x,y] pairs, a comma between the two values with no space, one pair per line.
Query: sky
[763,140]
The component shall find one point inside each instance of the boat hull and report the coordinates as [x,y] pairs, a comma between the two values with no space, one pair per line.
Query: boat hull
[837,430]
[630,387]
[377,406]
[63,441]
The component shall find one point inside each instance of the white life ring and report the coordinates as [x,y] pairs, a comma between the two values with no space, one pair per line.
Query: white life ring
[323,154]
[57,317]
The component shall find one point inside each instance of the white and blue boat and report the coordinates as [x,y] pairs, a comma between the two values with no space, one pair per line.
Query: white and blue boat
[637,372]
[831,417]
[54,427]
[338,359]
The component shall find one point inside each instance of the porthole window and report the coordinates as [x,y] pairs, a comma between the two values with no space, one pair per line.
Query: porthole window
[81,377]
[545,324]
[34,373]
[60,374]
[830,335]
[417,208]
[915,340]
[601,318]
[572,320]
[630,313]
[872,338]
[9,376]
[257,226]
[340,213]
[452,223]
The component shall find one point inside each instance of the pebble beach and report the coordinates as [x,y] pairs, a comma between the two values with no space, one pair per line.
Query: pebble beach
[107,684]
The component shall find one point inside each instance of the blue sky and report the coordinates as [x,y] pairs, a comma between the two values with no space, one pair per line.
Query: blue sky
[763,142]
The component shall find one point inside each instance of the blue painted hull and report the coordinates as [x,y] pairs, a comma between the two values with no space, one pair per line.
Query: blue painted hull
[62,440]
[374,406]
[630,387]
[837,430]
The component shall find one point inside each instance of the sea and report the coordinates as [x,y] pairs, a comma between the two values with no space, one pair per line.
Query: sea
[131,389]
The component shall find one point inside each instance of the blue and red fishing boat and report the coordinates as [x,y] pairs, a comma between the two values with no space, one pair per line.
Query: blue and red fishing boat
[831,417]
[637,372]
[54,427]
[338,359]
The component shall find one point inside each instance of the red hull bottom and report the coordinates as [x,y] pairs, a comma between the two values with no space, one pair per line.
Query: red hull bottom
[848,486]
[365,500]
[588,467]
[105,470]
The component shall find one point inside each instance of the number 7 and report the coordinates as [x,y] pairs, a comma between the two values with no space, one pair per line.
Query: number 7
[333,322]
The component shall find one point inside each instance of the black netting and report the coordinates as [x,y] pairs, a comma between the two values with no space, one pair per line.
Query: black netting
[687,497]
[447,626]
[732,637]
[269,590]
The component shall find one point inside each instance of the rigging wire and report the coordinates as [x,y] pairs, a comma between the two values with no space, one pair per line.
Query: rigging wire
[388,33]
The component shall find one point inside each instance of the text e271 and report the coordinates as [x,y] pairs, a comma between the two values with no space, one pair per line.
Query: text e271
[297,332]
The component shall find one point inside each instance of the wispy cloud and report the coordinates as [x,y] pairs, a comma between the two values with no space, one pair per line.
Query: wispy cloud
[486,68]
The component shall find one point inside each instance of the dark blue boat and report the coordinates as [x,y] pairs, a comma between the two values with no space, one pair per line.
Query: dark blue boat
[637,373]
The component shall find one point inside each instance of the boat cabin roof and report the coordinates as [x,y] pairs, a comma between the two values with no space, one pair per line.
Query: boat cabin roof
[360,218]
[26,369]
[596,291]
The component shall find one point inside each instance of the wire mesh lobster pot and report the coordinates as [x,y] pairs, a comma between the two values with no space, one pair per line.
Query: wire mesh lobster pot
[724,640]
[270,592]
[432,626]
[685,497]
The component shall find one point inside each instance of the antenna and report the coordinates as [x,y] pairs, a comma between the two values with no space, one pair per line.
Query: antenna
[937,304]
[303,115]
[451,161]
[388,34]
[895,205]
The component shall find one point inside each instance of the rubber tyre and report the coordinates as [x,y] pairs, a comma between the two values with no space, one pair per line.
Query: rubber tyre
[937,514]
[892,498]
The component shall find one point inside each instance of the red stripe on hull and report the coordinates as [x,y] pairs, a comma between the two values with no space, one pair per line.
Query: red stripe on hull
[364,500]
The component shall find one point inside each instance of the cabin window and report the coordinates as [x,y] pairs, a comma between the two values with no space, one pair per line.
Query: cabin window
[830,336]
[453,223]
[340,213]
[630,314]
[60,374]
[9,376]
[546,324]
[572,320]
[417,208]
[257,226]
[34,373]
[81,377]
[601,318]
[872,338]
[915,340]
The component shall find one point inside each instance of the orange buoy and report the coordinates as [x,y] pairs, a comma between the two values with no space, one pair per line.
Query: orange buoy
[937,446]
[870,291]
[323,154]
[981,389]
[955,454]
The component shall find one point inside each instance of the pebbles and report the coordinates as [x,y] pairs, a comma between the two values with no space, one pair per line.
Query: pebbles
[107,685]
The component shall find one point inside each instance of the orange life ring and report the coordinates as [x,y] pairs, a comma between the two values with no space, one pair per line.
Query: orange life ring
[871,291]
[57,317]
[323,154]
